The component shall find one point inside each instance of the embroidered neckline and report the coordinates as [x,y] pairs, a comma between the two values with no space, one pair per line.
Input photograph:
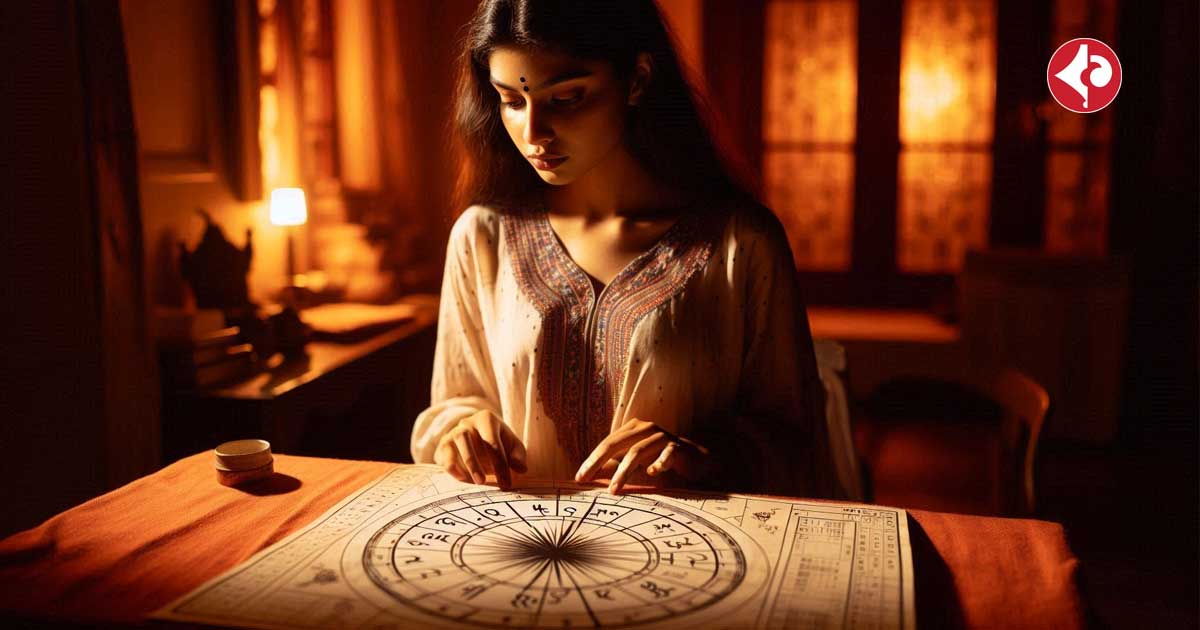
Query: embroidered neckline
[543,214]
[563,294]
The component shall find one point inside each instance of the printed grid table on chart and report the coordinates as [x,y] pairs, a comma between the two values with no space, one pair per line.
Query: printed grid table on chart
[844,569]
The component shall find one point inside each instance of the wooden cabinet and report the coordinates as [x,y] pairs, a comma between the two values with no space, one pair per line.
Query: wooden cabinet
[350,400]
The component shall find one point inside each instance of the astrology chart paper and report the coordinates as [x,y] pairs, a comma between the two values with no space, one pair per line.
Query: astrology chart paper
[418,549]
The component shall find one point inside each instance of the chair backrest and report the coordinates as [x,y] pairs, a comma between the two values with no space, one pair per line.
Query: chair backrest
[1024,406]
[1038,311]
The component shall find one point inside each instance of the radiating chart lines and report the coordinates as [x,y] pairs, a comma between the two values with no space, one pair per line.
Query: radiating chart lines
[549,559]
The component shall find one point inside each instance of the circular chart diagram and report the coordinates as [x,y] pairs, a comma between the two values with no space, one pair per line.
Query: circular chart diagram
[555,558]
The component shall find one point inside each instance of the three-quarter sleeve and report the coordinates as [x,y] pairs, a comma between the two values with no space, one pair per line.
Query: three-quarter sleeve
[463,380]
[777,439]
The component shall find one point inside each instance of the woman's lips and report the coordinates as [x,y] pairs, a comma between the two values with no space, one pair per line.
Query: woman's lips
[548,164]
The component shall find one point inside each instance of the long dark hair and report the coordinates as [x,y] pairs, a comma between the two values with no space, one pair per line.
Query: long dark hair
[669,132]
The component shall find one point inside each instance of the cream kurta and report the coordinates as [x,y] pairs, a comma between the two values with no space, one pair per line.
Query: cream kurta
[704,334]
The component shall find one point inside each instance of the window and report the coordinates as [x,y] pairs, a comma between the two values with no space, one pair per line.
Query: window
[810,76]
[882,159]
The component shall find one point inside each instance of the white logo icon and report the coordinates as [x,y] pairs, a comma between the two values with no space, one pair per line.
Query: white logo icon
[1072,75]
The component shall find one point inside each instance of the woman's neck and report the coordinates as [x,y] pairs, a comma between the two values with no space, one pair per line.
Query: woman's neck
[617,186]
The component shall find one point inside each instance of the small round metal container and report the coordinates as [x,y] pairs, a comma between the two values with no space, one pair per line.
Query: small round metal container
[243,461]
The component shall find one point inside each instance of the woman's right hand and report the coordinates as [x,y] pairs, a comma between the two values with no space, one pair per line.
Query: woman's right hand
[479,444]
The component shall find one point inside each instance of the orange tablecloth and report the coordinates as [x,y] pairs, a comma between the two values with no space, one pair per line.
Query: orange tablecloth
[122,555]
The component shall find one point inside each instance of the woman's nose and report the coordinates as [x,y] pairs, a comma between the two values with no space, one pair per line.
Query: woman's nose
[537,126]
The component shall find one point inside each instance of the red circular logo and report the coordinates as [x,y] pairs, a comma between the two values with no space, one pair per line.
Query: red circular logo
[1084,75]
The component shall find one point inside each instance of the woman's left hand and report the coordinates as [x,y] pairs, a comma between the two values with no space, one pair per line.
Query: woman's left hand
[637,443]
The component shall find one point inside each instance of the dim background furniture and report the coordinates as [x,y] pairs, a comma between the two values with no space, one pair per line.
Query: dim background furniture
[1060,319]
[961,440]
[354,400]
[831,366]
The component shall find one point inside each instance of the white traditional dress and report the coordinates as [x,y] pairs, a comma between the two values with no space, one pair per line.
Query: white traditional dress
[704,333]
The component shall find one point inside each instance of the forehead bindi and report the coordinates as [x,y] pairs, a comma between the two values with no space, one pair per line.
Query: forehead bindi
[530,73]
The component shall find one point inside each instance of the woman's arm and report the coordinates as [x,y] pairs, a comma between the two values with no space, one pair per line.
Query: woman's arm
[463,381]
[776,438]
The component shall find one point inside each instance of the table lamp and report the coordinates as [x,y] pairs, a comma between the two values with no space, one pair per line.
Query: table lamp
[289,209]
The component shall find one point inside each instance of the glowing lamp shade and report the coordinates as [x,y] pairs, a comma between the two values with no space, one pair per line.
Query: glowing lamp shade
[288,207]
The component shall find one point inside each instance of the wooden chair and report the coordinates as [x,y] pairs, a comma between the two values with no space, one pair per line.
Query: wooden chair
[952,440]
[831,366]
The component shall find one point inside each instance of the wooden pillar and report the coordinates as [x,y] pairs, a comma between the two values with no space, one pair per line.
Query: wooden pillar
[877,149]
[1018,211]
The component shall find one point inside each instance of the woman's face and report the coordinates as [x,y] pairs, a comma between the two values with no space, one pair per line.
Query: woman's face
[570,112]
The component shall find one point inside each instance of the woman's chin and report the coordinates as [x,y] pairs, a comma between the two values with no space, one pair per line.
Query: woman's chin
[554,178]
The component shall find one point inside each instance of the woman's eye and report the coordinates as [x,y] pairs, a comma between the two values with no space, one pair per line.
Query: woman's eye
[561,101]
[573,97]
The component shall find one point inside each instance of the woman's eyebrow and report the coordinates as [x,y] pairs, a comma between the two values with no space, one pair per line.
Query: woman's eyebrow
[576,73]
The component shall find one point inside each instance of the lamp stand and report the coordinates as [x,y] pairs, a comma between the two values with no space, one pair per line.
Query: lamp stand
[291,257]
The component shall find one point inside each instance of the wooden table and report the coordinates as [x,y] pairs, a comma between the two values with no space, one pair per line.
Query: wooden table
[353,399]
[125,554]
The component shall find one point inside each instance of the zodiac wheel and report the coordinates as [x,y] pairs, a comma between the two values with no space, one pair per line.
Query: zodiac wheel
[553,558]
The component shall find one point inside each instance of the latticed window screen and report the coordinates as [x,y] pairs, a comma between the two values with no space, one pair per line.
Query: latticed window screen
[947,98]
[947,111]
[948,82]
[1078,158]
[810,90]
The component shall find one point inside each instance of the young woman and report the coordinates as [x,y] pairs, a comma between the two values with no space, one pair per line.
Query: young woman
[614,305]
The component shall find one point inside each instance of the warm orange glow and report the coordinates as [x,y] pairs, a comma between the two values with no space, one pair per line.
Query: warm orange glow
[810,92]
[947,71]
[269,132]
[812,192]
[811,71]
[358,133]
[947,103]
[268,141]
[288,207]
[929,95]
[943,202]
[685,18]
[268,47]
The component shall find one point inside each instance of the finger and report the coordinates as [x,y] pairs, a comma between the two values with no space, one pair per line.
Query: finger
[457,468]
[499,458]
[516,449]
[446,456]
[608,469]
[610,447]
[637,454]
[463,451]
[604,451]
[469,457]
[664,460]
[484,452]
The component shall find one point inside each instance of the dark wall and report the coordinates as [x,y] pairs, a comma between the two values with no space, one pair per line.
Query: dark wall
[50,430]
[1156,206]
